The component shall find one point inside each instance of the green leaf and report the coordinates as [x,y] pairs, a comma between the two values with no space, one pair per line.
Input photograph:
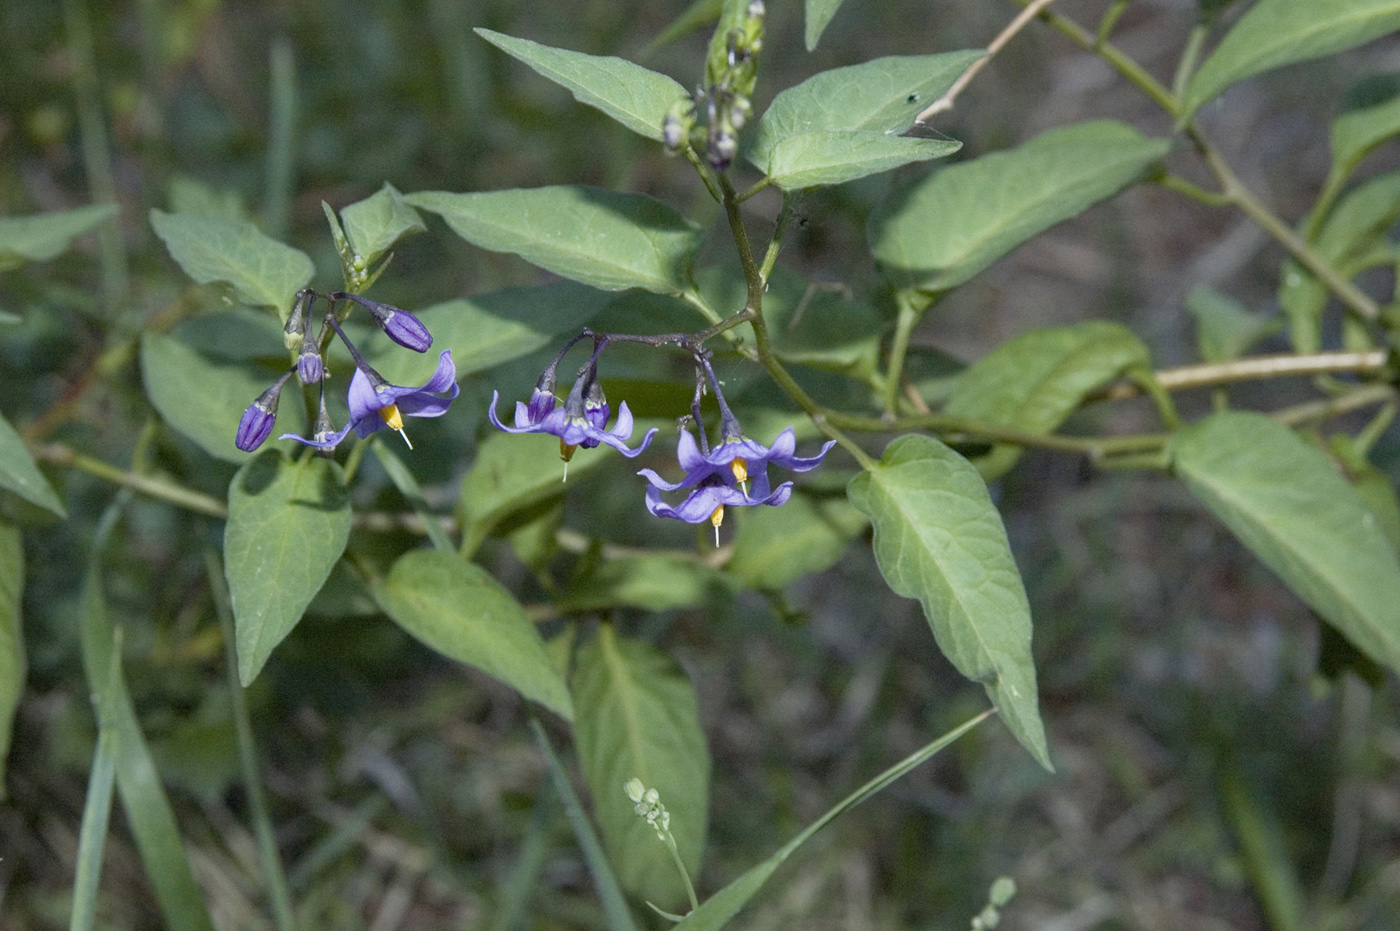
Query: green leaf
[1361,218]
[1036,380]
[716,911]
[1286,502]
[148,811]
[842,124]
[19,474]
[636,97]
[653,583]
[601,238]
[374,224]
[512,474]
[835,157]
[777,546]
[190,196]
[261,270]
[288,523]
[808,322]
[948,226]
[202,398]
[1357,133]
[1225,329]
[636,719]
[818,14]
[491,329]
[458,610]
[939,538]
[1274,33]
[44,236]
[12,660]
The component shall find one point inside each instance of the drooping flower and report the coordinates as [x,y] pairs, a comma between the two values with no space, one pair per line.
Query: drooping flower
[735,455]
[255,425]
[399,325]
[376,404]
[580,422]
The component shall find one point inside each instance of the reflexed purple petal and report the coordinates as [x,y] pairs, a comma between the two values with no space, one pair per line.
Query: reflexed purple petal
[688,453]
[697,507]
[362,397]
[658,482]
[329,441]
[623,428]
[445,377]
[423,404]
[622,447]
[798,464]
[520,412]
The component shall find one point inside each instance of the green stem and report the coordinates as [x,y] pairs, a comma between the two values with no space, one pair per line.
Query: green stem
[1110,53]
[278,891]
[1194,191]
[780,228]
[97,154]
[1231,187]
[1146,379]
[685,876]
[58,454]
[1319,411]
[1349,294]
[910,311]
[704,172]
[1110,19]
[1189,57]
[766,357]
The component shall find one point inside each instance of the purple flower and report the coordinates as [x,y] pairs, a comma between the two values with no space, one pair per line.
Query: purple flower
[735,456]
[578,423]
[400,325]
[710,496]
[256,423]
[376,404]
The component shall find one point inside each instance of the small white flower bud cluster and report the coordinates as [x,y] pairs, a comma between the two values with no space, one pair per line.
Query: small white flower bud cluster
[648,805]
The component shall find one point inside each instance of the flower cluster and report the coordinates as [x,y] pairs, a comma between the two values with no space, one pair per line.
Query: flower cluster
[647,804]
[374,403]
[715,477]
[710,120]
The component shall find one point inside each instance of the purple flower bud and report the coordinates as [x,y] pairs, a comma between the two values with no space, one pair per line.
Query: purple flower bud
[400,325]
[310,369]
[256,423]
[541,405]
[595,406]
[294,333]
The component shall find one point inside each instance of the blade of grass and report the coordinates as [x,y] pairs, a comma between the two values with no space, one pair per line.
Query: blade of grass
[517,889]
[408,487]
[92,838]
[281,142]
[276,877]
[614,905]
[719,908]
[147,809]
